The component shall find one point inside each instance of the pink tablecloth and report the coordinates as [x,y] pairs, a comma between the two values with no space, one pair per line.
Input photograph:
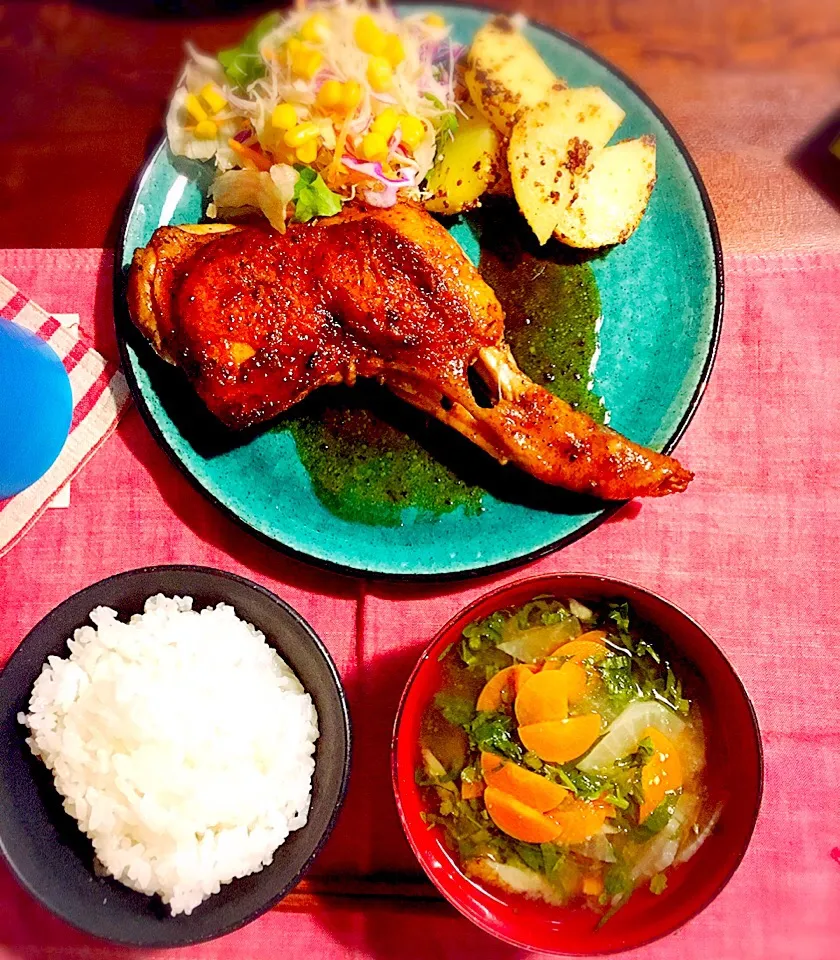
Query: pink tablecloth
[752,551]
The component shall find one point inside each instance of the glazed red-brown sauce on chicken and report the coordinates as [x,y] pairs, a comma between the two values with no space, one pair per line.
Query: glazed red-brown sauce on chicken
[259,319]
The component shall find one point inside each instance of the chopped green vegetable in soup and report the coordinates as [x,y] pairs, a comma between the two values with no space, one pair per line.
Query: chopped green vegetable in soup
[562,757]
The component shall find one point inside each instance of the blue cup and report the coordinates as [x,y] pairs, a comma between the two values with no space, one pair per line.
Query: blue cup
[36,408]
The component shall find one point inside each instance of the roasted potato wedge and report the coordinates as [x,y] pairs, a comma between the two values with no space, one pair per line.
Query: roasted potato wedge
[468,164]
[502,186]
[505,74]
[610,200]
[553,144]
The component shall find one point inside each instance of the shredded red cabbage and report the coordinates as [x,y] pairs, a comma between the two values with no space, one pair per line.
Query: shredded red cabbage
[386,197]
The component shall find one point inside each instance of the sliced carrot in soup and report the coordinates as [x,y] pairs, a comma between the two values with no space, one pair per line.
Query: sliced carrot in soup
[500,690]
[529,787]
[589,648]
[661,774]
[559,741]
[575,678]
[592,636]
[518,820]
[579,819]
[471,790]
[583,648]
[542,697]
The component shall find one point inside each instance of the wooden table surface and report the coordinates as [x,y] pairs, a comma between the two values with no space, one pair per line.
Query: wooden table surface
[745,82]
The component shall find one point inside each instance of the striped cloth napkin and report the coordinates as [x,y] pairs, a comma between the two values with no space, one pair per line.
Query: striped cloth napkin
[100,395]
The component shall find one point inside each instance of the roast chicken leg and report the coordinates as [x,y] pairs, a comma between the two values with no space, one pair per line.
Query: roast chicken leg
[258,319]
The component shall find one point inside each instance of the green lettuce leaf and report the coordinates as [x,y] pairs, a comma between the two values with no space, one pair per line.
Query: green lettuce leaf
[531,856]
[457,710]
[492,732]
[243,64]
[620,616]
[478,646]
[617,674]
[587,786]
[661,816]
[313,198]
[617,881]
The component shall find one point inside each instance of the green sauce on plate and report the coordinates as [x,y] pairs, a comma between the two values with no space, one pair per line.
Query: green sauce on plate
[371,458]
[552,314]
[369,470]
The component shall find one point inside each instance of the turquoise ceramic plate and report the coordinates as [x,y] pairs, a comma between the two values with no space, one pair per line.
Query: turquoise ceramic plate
[661,298]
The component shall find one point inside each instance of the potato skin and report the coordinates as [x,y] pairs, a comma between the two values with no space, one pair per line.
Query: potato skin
[552,150]
[468,164]
[505,74]
[611,200]
[553,144]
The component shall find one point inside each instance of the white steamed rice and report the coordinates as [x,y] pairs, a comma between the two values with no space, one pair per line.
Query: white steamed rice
[181,743]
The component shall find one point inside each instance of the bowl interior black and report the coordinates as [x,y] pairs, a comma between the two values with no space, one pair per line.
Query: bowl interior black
[43,845]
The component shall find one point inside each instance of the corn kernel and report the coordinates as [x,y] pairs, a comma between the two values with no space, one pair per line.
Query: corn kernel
[284,116]
[413,132]
[394,51]
[314,64]
[351,95]
[294,45]
[212,96]
[380,75]
[374,146]
[308,152]
[316,29]
[194,108]
[206,130]
[299,135]
[330,94]
[306,63]
[368,35]
[434,20]
[386,123]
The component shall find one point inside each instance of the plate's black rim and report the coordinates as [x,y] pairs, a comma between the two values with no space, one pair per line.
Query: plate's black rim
[319,645]
[615,587]
[121,318]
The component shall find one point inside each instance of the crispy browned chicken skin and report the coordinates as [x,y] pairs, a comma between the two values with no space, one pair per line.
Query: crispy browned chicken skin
[259,319]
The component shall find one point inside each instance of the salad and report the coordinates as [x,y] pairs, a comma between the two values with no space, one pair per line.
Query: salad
[316,106]
[562,758]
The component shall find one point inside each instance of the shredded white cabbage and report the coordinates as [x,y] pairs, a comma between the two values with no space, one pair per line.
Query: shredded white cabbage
[246,191]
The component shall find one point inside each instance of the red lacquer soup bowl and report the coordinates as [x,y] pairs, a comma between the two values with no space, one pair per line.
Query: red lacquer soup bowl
[734,774]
